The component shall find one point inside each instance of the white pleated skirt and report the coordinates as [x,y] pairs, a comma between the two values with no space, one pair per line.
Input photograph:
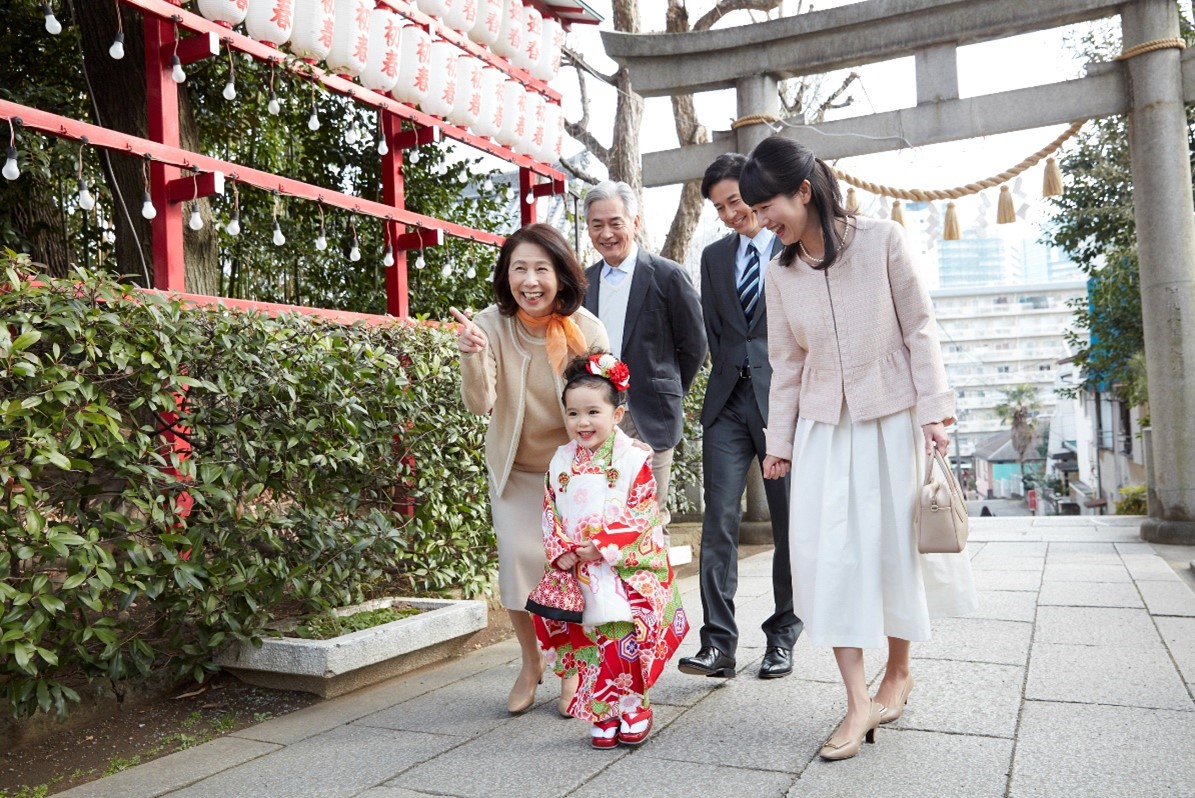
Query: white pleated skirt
[518,525]
[857,575]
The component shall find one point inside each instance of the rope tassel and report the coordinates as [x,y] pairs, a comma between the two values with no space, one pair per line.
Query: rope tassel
[1005,212]
[1052,180]
[852,201]
[950,228]
[898,214]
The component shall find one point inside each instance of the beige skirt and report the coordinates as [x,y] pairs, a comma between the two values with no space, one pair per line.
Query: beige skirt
[518,523]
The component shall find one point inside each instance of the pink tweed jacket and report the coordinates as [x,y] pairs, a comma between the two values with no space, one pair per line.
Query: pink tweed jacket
[862,330]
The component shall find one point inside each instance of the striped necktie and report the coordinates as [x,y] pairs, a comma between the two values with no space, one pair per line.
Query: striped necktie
[749,283]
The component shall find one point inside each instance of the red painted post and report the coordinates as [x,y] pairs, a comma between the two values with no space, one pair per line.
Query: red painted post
[394,194]
[526,189]
[162,99]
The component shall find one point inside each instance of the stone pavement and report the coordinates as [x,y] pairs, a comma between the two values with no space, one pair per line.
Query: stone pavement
[1075,678]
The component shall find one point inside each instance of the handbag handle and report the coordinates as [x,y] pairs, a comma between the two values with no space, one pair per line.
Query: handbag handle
[951,484]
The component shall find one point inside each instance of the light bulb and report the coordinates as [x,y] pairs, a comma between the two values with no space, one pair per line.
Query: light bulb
[177,74]
[383,147]
[11,169]
[463,177]
[147,207]
[355,253]
[388,258]
[530,198]
[234,225]
[86,201]
[196,221]
[279,239]
[230,90]
[350,136]
[446,271]
[415,156]
[117,48]
[420,262]
[313,121]
[471,273]
[274,107]
[53,26]
[321,242]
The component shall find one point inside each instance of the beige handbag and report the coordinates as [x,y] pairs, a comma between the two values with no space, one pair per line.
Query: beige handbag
[941,518]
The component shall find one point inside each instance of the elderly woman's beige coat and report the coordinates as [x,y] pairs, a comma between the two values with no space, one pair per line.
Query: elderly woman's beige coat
[863,329]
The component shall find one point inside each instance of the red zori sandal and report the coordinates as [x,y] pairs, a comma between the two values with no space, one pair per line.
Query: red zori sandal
[604,734]
[634,727]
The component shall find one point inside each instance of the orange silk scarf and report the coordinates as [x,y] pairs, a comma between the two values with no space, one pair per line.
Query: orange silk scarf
[561,336]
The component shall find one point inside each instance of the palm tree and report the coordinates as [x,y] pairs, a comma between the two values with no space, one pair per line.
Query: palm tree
[1018,407]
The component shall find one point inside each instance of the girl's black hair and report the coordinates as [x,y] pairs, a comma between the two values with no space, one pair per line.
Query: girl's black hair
[577,373]
[779,166]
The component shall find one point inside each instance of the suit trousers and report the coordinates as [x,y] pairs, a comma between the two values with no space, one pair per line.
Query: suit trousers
[661,469]
[729,446]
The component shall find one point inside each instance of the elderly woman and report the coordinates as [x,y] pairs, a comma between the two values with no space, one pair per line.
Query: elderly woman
[512,356]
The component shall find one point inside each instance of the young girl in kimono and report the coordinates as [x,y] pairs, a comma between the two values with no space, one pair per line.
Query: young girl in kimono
[601,519]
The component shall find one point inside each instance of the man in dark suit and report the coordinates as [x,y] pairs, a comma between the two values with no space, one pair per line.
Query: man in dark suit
[652,315]
[734,416]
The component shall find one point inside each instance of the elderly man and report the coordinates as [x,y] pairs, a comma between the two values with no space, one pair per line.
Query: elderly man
[652,314]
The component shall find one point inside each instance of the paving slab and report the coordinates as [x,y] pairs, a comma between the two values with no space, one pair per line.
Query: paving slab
[1082,551]
[1095,626]
[1029,581]
[335,764]
[392,792]
[913,763]
[1149,568]
[963,698]
[817,663]
[1008,549]
[1179,636]
[1089,594]
[1168,598]
[1122,676]
[649,777]
[978,640]
[773,725]
[1086,572]
[532,756]
[1006,605]
[1078,750]
[175,771]
[1004,562]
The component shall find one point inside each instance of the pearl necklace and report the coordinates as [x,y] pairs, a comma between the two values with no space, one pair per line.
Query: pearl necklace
[818,261]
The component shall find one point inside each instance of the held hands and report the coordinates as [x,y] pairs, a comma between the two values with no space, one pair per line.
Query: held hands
[935,435]
[586,553]
[774,467]
[471,338]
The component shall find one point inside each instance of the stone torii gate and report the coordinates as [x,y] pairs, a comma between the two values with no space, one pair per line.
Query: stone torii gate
[1150,85]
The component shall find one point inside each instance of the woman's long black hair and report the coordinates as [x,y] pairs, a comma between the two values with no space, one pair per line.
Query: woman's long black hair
[779,166]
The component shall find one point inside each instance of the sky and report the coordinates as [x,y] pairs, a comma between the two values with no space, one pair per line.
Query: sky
[1034,59]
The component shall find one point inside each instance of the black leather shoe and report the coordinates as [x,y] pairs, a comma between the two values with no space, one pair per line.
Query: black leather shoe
[777,662]
[709,661]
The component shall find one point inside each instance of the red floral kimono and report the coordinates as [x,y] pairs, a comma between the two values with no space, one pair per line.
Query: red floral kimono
[609,496]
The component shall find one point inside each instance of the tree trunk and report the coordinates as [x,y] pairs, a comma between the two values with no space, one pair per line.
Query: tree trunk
[37,217]
[625,163]
[119,94]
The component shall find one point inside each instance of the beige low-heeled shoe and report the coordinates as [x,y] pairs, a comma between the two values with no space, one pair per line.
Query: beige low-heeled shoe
[568,690]
[893,712]
[519,701]
[840,748]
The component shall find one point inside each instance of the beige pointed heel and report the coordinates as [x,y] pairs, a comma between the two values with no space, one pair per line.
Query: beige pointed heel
[838,747]
[898,708]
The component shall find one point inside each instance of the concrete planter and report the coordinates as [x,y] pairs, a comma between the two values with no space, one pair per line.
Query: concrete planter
[340,664]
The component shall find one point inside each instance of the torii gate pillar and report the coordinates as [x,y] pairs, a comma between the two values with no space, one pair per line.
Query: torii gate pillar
[1165,218]
[756,94]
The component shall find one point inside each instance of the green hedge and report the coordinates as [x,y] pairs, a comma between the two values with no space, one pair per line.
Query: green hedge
[302,435]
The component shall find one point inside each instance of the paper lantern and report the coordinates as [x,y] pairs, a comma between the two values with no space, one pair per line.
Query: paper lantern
[414,65]
[441,92]
[553,133]
[489,21]
[224,12]
[461,15]
[270,21]
[510,36]
[533,34]
[467,109]
[548,65]
[381,68]
[533,127]
[489,119]
[350,39]
[311,38]
[514,114]
[433,8]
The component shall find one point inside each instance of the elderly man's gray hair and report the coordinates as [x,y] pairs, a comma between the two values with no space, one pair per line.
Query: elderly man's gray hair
[612,190]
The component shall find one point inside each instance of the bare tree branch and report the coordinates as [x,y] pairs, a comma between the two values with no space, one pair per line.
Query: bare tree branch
[579,173]
[572,58]
[579,130]
[829,102]
[725,7]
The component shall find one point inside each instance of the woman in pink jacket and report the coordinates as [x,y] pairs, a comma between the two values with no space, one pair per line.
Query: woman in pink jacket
[858,398]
